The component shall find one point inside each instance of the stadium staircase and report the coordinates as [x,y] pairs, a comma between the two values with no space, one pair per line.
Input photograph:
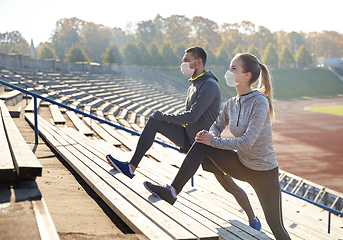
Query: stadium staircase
[310,211]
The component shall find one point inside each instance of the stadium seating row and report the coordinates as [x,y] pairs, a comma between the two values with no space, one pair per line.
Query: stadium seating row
[21,203]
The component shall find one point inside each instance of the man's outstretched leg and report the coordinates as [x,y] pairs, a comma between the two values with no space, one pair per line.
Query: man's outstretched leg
[175,132]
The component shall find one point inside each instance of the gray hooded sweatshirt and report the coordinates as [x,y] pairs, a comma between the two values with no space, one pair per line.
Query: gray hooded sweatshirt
[202,106]
[248,117]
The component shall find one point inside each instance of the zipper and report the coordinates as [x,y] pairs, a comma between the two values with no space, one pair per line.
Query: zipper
[240,106]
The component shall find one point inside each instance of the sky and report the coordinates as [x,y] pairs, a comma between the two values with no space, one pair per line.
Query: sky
[36,19]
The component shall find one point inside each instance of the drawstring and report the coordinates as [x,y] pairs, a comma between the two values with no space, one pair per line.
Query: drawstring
[239,113]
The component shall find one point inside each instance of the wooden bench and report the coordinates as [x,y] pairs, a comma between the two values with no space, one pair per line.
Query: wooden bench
[30,106]
[24,214]
[101,132]
[17,159]
[11,98]
[79,125]
[128,198]
[56,114]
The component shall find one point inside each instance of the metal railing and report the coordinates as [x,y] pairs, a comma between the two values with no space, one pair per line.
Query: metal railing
[35,96]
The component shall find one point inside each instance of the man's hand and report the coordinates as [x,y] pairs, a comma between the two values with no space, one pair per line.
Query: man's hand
[204,137]
[153,114]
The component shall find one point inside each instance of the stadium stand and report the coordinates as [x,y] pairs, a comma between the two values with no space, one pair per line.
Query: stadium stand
[199,213]
[19,194]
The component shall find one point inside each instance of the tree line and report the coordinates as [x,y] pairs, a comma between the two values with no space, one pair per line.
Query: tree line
[162,41]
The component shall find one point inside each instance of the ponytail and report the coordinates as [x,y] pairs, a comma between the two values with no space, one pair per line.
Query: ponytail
[258,70]
[265,87]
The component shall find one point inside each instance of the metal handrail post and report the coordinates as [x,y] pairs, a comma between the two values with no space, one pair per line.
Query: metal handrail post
[329,223]
[36,119]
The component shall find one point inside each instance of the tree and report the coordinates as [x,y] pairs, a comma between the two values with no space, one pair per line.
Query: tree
[168,56]
[14,50]
[156,58]
[223,57]
[13,40]
[112,55]
[46,52]
[270,56]
[177,29]
[254,51]
[179,50]
[146,31]
[295,38]
[206,32]
[287,58]
[143,57]
[304,58]
[76,54]
[94,39]
[238,49]
[211,58]
[119,37]
[65,35]
[130,53]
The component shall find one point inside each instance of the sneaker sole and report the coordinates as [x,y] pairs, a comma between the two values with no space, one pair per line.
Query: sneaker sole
[112,164]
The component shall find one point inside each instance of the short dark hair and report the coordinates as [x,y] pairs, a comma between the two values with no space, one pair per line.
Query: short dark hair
[198,52]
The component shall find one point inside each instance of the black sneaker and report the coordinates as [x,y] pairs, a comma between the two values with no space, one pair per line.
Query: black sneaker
[163,192]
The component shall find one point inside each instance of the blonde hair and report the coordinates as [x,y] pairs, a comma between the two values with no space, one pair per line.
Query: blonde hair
[258,71]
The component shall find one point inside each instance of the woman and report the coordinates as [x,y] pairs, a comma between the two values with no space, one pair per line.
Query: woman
[250,155]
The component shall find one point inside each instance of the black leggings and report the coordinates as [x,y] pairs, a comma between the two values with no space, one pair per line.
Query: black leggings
[265,183]
[176,133]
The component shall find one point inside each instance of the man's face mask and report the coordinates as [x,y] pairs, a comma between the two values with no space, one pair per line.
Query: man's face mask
[186,70]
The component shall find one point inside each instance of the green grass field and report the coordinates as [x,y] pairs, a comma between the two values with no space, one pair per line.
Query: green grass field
[335,110]
[287,83]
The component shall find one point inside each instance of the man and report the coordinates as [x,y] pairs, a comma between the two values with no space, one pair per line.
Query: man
[201,110]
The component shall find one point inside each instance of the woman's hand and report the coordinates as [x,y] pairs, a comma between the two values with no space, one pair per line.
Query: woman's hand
[204,137]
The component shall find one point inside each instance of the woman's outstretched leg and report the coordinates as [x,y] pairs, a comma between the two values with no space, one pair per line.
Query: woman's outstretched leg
[241,197]
[267,187]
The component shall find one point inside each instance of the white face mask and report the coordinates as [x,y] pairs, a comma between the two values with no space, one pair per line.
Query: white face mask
[186,70]
[230,78]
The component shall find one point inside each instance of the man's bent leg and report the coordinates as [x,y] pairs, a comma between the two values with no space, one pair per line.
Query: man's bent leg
[175,132]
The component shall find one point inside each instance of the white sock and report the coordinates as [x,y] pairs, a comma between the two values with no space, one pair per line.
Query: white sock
[173,192]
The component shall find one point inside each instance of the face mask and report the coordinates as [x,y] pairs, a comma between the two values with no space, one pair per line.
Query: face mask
[230,78]
[186,70]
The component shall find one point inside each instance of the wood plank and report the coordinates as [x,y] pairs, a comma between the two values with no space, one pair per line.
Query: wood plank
[6,163]
[11,94]
[132,216]
[116,134]
[195,227]
[192,198]
[79,125]
[204,233]
[57,115]
[46,226]
[185,221]
[101,132]
[25,162]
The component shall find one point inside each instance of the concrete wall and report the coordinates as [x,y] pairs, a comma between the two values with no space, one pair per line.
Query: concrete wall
[19,61]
